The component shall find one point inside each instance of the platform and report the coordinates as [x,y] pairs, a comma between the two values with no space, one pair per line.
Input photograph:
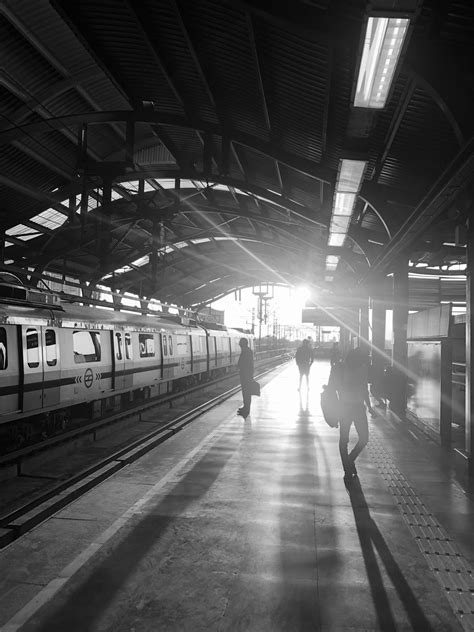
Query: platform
[248,526]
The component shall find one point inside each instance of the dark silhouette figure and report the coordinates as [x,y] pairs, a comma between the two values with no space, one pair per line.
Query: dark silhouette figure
[245,365]
[335,356]
[350,379]
[304,359]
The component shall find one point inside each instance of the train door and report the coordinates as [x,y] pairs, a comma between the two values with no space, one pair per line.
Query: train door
[9,370]
[128,360]
[51,367]
[41,370]
[123,360]
[212,341]
[32,368]
[165,362]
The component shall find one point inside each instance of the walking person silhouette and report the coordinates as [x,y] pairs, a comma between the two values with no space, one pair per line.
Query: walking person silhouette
[350,379]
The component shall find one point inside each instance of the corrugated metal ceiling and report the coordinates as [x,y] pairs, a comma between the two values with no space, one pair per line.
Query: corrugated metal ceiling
[247,96]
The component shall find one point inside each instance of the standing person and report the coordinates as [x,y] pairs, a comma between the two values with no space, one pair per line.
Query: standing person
[245,365]
[304,359]
[335,354]
[350,381]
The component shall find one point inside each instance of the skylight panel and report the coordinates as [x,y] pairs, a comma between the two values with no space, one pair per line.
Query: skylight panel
[166,183]
[20,231]
[131,186]
[123,269]
[50,219]
[141,261]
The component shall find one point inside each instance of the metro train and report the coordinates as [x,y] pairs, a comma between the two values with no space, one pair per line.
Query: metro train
[59,360]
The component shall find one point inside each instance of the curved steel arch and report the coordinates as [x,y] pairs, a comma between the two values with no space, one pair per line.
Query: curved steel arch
[308,167]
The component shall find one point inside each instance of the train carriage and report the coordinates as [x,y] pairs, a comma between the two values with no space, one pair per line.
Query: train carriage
[57,356]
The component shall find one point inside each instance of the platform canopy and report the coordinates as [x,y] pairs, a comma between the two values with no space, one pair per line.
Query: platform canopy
[185,148]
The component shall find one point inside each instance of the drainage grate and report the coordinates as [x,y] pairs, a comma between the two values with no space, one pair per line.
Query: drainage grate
[452,570]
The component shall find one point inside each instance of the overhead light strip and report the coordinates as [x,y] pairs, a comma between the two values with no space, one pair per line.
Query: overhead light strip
[383,42]
[348,183]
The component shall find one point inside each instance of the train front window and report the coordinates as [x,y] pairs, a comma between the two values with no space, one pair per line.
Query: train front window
[3,349]
[32,348]
[51,347]
[86,345]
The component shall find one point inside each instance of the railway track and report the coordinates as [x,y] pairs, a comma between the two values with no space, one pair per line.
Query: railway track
[47,492]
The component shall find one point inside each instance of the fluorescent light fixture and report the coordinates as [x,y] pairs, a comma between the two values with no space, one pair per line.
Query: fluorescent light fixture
[349,179]
[331,262]
[339,224]
[383,43]
[336,239]
[328,277]
[350,175]
[343,203]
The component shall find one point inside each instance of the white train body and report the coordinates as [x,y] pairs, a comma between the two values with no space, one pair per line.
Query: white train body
[53,359]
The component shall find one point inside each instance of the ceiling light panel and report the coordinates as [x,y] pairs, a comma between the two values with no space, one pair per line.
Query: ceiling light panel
[350,175]
[336,239]
[339,224]
[383,43]
[331,262]
[344,203]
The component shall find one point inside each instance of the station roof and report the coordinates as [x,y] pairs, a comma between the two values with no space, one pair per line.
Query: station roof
[181,148]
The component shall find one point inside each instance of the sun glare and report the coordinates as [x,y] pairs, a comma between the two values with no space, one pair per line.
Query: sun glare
[303,293]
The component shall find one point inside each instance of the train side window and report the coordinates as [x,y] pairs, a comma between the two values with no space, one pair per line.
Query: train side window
[165,345]
[118,346]
[128,346]
[32,348]
[3,349]
[51,347]
[170,344]
[86,345]
[147,345]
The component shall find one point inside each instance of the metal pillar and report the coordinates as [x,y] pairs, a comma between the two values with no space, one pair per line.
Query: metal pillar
[399,355]
[379,360]
[104,227]
[470,346]
[364,325]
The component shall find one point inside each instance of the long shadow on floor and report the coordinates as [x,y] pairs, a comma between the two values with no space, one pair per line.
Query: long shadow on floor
[80,607]
[372,542]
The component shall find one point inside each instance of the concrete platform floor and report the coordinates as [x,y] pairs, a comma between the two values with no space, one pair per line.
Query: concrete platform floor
[247,525]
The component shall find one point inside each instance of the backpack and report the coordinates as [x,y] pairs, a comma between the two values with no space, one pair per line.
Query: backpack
[330,406]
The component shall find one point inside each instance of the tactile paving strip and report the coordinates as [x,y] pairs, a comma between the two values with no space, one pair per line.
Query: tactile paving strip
[452,570]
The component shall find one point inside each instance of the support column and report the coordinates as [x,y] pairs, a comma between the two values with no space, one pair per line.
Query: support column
[470,346]
[364,324]
[104,226]
[379,360]
[400,319]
